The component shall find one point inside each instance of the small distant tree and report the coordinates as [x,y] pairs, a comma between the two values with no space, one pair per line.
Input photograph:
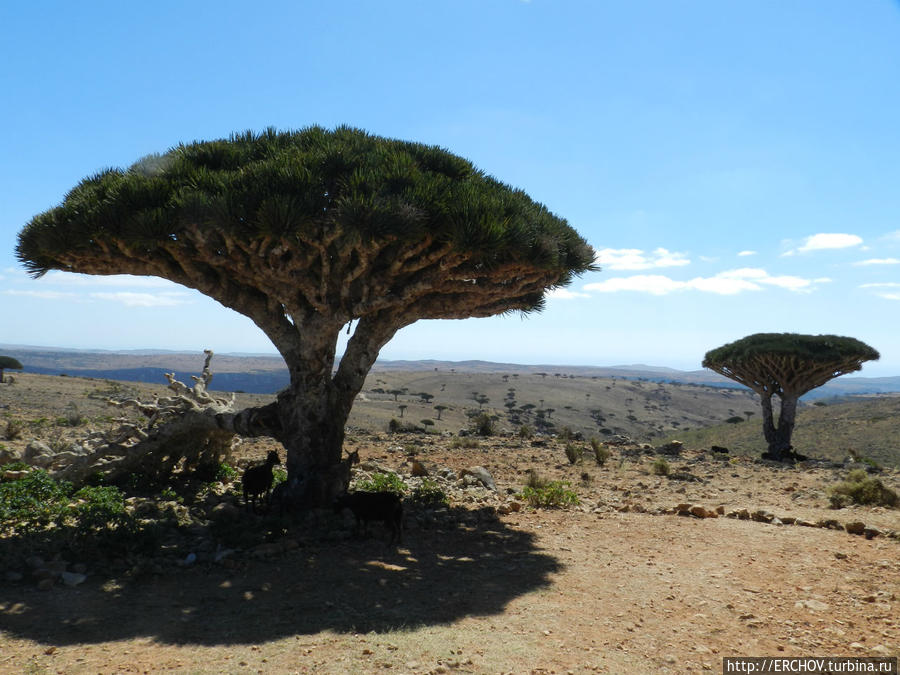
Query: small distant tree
[786,365]
[426,397]
[440,408]
[8,362]
[402,410]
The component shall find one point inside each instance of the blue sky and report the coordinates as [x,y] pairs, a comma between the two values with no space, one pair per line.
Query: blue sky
[734,164]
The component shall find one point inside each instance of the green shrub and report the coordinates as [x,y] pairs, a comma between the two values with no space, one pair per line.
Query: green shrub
[226,473]
[574,453]
[536,480]
[169,495]
[483,425]
[429,493]
[383,482]
[464,442]
[279,475]
[660,467]
[32,502]
[859,488]
[566,434]
[526,432]
[39,514]
[601,452]
[555,494]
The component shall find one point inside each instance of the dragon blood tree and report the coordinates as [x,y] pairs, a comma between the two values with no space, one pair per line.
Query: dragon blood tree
[786,365]
[305,232]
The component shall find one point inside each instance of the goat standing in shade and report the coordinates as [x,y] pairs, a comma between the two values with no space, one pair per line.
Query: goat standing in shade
[368,506]
[257,480]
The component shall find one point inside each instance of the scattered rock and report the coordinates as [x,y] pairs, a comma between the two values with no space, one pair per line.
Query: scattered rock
[672,449]
[855,527]
[812,604]
[38,453]
[418,469]
[871,532]
[482,475]
[763,516]
[72,578]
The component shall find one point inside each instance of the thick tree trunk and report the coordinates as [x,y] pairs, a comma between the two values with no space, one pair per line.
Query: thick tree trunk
[768,419]
[779,436]
[313,411]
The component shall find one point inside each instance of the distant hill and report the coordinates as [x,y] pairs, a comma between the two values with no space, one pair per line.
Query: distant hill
[266,374]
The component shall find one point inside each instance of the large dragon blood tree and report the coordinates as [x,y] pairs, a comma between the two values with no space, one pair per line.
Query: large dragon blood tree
[306,232]
[786,365]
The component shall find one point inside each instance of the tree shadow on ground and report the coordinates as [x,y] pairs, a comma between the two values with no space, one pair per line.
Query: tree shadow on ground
[457,569]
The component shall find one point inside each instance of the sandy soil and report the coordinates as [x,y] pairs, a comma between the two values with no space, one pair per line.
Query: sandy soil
[615,585]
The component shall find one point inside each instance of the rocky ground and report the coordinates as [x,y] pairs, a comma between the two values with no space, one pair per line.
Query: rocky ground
[646,574]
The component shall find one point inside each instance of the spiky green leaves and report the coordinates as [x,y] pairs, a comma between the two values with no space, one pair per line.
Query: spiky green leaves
[304,184]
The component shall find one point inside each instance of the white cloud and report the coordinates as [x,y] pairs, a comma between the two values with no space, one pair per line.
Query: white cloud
[878,261]
[892,294]
[565,294]
[636,259]
[743,254]
[826,241]
[58,278]
[130,299]
[729,282]
[654,284]
[43,295]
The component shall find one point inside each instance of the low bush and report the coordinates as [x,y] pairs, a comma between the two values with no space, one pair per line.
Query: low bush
[553,495]
[526,432]
[40,515]
[483,425]
[601,452]
[574,453]
[859,488]
[383,482]
[465,443]
[225,473]
[660,467]
[429,493]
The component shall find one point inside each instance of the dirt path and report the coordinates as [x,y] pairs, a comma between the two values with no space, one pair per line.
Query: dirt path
[537,592]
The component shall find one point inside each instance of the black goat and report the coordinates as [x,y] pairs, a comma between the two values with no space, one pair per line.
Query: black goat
[257,480]
[368,506]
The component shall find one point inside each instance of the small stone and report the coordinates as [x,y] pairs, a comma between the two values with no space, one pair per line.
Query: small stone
[699,511]
[763,516]
[812,604]
[805,523]
[720,510]
[856,527]
[73,578]
[871,532]
[857,645]
[881,650]
[743,514]
[840,556]
[46,584]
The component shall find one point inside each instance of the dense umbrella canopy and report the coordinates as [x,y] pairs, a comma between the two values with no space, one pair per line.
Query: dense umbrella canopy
[317,211]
